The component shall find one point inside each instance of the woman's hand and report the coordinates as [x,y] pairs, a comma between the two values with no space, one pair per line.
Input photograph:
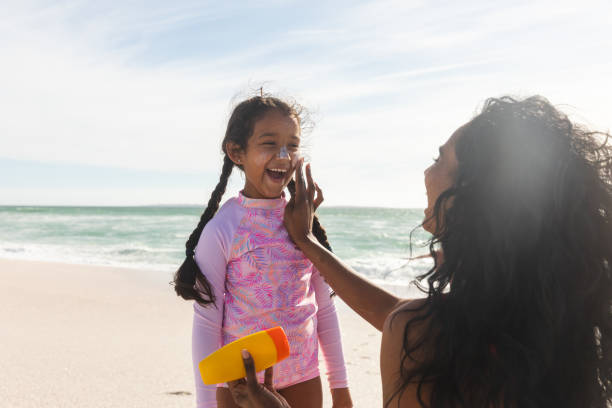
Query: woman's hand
[341,398]
[300,209]
[250,394]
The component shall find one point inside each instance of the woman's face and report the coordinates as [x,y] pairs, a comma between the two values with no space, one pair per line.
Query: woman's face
[439,177]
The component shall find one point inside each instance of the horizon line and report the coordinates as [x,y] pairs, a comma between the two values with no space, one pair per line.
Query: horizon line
[179,206]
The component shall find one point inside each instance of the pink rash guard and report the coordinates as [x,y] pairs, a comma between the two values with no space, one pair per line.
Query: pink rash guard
[261,280]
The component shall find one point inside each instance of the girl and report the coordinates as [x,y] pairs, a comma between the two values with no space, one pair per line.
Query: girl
[244,272]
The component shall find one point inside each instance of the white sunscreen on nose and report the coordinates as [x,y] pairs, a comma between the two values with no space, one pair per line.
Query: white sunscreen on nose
[283,153]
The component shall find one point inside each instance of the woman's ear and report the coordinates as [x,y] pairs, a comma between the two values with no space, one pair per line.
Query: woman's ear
[235,153]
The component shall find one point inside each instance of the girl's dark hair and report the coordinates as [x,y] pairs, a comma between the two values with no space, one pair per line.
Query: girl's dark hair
[526,237]
[189,281]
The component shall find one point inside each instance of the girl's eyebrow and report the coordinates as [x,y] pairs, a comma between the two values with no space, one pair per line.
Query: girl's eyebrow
[272,134]
[266,134]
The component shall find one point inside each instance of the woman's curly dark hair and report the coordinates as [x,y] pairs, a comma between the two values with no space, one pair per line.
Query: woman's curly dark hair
[519,312]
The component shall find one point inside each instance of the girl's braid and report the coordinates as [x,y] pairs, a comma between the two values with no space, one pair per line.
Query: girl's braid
[189,272]
[211,207]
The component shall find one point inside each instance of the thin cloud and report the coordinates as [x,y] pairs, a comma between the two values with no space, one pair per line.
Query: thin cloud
[434,70]
[129,85]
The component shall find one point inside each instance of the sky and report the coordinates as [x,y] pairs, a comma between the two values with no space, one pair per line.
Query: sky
[126,103]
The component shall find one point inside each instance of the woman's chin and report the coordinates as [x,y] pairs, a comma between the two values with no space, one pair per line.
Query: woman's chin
[428,222]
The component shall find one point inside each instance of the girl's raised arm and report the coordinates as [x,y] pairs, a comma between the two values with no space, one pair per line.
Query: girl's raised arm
[368,300]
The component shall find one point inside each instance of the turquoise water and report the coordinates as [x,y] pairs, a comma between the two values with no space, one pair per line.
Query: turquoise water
[374,241]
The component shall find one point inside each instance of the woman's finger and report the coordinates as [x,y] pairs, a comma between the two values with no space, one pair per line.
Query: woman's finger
[269,378]
[291,201]
[249,367]
[319,198]
[300,184]
[310,190]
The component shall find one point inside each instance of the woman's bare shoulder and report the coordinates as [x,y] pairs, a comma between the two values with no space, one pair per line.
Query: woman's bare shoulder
[392,350]
[395,324]
[404,311]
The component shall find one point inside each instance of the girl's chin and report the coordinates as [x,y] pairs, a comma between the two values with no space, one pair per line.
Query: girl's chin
[275,192]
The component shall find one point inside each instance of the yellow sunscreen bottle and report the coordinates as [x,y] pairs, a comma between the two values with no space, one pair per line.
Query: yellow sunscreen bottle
[267,347]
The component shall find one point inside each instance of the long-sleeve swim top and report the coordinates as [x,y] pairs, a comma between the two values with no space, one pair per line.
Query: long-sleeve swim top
[260,279]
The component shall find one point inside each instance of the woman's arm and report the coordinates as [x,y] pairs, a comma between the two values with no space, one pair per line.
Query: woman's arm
[368,300]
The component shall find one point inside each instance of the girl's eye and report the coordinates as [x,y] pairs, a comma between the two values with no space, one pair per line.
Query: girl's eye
[294,147]
[435,159]
[269,143]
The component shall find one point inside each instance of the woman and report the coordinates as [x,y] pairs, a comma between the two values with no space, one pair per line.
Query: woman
[518,313]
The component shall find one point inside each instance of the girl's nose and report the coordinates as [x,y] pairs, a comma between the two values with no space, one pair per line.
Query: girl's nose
[283,153]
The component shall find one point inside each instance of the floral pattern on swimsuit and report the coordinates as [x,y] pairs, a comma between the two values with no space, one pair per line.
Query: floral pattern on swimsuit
[268,283]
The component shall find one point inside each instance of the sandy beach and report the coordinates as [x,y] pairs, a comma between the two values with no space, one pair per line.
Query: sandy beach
[90,336]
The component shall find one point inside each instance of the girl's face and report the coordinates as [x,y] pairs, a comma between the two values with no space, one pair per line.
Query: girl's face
[439,177]
[267,160]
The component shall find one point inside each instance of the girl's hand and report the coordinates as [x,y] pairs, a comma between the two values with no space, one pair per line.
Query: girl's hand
[341,398]
[250,394]
[300,209]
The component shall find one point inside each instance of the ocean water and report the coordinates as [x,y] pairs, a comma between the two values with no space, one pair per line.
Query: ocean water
[376,242]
